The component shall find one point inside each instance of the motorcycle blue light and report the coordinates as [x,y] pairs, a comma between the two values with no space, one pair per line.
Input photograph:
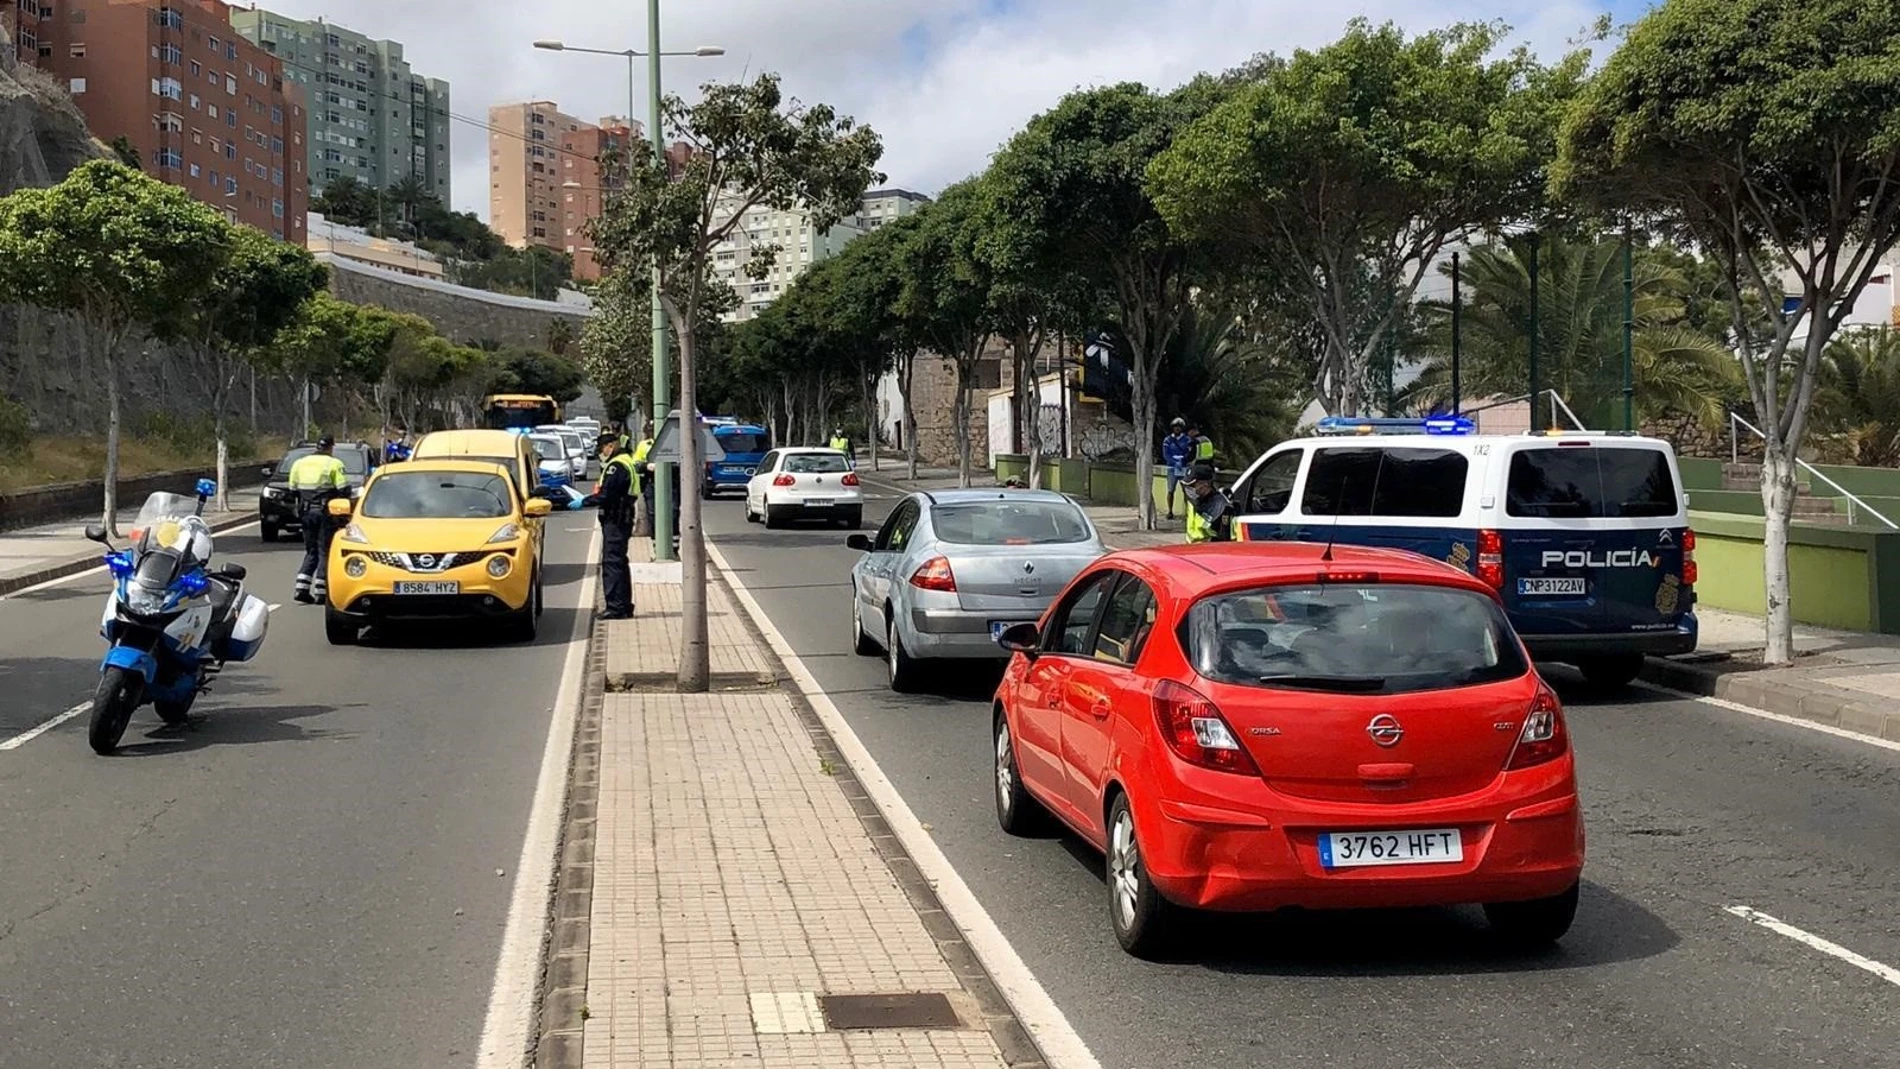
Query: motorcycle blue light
[206,487]
[120,564]
[192,584]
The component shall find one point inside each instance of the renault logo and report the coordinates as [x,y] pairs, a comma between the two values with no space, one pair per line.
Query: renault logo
[1385,730]
[1029,567]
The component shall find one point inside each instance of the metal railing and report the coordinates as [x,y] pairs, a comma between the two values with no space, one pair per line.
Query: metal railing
[1853,502]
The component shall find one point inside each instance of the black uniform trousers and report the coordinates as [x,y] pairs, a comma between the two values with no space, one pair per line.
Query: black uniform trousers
[313,577]
[616,576]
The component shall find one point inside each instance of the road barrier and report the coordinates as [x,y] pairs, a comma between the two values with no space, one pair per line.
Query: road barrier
[68,501]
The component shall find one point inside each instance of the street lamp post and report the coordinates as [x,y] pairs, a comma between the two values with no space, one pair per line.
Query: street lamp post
[662,392]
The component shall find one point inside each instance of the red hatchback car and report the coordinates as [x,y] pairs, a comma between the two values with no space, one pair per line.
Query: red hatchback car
[1252,726]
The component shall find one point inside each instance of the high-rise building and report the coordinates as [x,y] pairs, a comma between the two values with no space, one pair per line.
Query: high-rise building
[799,245]
[372,117]
[204,109]
[545,179]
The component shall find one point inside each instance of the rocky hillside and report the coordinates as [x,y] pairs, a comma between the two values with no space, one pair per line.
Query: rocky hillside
[42,134]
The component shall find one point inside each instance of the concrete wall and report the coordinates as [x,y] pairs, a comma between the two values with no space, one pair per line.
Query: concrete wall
[1844,578]
[463,315]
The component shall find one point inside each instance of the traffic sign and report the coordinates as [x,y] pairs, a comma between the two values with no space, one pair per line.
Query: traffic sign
[666,444]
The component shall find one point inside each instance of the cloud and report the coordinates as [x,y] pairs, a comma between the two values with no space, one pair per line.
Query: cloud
[944,81]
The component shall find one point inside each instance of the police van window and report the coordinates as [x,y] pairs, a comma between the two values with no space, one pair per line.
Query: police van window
[1272,488]
[1590,482]
[1375,481]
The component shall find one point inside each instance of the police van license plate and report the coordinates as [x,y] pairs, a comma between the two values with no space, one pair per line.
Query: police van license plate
[1551,587]
[1353,849]
[429,588]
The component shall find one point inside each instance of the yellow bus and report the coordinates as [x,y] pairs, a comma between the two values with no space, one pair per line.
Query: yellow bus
[519,411]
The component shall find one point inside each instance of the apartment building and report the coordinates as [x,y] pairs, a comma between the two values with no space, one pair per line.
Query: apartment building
[371,116]
[205,109]
[546,181]
[360,246]
[800,245]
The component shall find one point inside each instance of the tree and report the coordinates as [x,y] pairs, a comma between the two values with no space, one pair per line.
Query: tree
[1674,367]
[943,298]
[1367,156]
[347,201]
[1238,389]
[617,341]
[409,193]
[749,148]
[255,294]
[855,316]
[1767,133]
[560,335]
[1074,179]
[1857,399]
[536,372]
[335,343]
[117,248]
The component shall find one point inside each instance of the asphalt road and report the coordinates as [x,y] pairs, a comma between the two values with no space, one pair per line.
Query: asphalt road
[306,878]
[1691,809]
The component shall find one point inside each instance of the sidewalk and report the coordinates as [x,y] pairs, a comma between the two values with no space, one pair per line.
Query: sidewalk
[743,907]
[33,555]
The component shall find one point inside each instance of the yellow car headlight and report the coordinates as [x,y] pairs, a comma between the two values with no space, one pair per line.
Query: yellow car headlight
[355,567]
[500,565]
[508,533]
[354,533]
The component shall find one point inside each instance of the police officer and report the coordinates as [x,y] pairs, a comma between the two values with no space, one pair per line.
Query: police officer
[644,469]
[1210,516]
[842,443]
[1177,452]
[396,446]
[1203,445]
[317,480]
[614,495]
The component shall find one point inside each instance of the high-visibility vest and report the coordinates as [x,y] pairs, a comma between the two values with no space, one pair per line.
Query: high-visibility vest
[316,478]
[623,460]
[1198,529]
[1204,448]
[640,451]
[841,444]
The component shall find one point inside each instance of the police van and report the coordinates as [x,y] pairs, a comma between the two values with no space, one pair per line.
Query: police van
[1584,535]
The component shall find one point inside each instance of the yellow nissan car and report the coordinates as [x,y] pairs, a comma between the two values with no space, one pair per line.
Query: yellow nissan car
[436,539]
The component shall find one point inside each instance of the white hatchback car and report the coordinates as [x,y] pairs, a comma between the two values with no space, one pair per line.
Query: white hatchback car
[804,484]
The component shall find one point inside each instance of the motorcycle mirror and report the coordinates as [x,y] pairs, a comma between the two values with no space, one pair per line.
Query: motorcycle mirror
[96,532]
[235,571]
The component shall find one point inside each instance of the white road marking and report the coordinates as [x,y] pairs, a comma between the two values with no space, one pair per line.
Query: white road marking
[1791,721]
[1831,949]
[274,607]
[504,1043]
[1061,1045]
[25,737]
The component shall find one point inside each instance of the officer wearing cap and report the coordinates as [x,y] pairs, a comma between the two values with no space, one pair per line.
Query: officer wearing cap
[615,494]
[316,480]
[1210,516]
[1177,451]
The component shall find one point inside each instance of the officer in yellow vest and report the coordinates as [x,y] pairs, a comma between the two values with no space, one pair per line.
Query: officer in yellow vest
[842,443]
[1203,445]
[1210,516]
[645,470]
[316,479]
[619,486]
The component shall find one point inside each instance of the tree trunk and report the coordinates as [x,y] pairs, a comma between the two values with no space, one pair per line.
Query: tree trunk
[960,416]
[1029,406]
[1143,406]
[1778,491]
[909,365]
[791,411]
[872,425]
[695,672]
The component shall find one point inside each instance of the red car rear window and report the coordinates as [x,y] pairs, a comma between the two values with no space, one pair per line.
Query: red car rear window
[1380,638]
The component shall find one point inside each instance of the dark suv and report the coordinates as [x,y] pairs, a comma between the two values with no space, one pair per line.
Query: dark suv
[277,506]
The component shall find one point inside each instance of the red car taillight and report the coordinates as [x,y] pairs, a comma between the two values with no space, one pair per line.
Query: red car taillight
[1197,733]
[850,478]
[1491,559]
[934,574]
[784,480]
[1689,570]
[1544,737]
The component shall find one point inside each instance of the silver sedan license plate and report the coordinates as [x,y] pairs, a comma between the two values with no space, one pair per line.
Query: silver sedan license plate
[1425,846]
[428,588]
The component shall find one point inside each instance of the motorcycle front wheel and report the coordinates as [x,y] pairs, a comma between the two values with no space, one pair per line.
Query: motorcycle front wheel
[112,706]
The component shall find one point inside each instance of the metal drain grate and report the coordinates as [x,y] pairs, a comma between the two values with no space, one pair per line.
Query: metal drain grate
[917,1009]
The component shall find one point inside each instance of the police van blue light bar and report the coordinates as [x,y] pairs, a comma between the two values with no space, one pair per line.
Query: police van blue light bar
[1339,425]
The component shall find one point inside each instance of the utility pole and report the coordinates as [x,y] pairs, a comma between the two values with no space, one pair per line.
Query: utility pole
[662,378]
[1537,385]
[1457,336]
[1629,332]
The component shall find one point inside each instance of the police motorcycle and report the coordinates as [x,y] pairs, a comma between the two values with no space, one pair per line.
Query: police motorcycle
[172,623]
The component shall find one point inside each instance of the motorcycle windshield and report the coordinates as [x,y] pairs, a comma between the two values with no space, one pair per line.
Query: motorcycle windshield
[157,569]
[171,522]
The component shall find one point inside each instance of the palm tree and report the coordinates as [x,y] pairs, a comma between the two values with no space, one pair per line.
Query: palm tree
[1242,398]
[409,192]
[1857,400]
[1674,368]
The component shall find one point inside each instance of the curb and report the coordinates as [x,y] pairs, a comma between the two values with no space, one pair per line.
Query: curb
[1779,692]
[561,1002]
[74,565]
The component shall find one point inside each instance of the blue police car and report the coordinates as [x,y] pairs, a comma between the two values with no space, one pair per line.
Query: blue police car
[1584,535]
[745,444]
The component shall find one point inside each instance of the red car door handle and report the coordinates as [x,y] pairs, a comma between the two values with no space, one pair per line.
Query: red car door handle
[1386,772]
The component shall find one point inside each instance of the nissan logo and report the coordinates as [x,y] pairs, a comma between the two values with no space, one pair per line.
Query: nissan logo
[426,560]
[1385,730]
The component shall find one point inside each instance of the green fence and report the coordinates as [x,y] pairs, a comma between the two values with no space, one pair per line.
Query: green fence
[1846,578]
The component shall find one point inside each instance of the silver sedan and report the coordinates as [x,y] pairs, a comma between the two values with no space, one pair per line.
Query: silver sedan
[950,569]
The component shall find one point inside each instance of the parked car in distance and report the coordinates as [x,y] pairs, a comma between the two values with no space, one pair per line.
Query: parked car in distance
[552,460]
[805,483]
[950,570]
[277,507]
[1251,727]
[579,448]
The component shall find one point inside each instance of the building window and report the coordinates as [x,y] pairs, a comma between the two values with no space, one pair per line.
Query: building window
[230,50]
[230,150]
[195,102]
[168,55]
[277,146]
[216,45]
[276,209]
[169,159]
[230,185]
[77,50]
[230,85]
[196,171]
[276,116]
[170,122]
[540,231]
[169,88]
[230,118]
[76,86]
[170,19]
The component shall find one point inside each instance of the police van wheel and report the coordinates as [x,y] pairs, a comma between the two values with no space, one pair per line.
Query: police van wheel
[338,628]
[1611,673]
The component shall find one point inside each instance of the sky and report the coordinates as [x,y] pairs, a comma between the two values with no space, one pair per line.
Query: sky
[945,82]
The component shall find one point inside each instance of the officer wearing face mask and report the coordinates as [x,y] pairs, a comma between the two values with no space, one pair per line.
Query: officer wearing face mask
[1210,516]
